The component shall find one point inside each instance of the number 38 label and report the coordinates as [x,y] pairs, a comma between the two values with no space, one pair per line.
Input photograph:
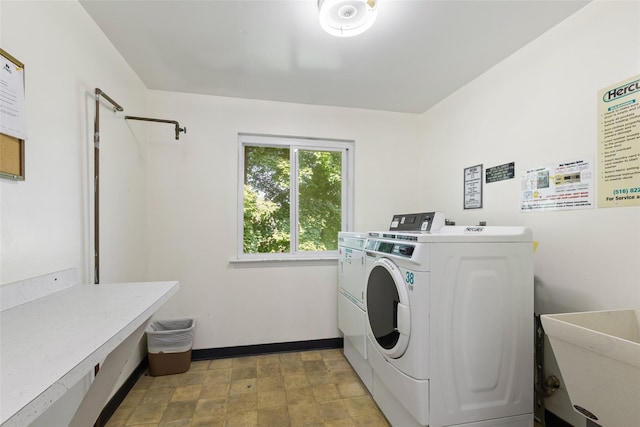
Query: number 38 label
[409,277]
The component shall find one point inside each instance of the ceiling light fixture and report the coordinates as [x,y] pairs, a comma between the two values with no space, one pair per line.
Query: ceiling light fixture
[346,18]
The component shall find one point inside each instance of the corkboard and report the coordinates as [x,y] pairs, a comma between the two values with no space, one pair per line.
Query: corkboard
[11,148]
[11,157]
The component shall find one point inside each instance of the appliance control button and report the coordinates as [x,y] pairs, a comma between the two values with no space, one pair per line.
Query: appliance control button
[406,250]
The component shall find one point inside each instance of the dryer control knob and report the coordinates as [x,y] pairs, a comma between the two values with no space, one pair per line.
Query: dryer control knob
[406,250]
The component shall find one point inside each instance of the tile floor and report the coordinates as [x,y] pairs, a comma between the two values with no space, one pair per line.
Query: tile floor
[310,388]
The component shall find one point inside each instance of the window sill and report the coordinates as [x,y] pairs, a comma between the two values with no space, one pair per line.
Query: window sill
[281,262]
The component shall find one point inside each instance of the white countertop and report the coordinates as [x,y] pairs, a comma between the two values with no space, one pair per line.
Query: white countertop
[47,345]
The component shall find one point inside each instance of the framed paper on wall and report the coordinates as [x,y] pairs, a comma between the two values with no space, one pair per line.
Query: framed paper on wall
[12,117]
[473,187]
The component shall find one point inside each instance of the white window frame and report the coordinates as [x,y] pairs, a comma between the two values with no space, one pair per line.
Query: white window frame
[295,143]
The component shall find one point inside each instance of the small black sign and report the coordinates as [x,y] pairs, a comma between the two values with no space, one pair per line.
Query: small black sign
[500,173]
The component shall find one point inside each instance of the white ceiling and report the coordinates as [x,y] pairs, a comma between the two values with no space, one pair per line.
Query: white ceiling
[417,53]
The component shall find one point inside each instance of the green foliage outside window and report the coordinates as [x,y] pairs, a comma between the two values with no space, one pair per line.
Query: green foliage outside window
[320,199]
[267,199]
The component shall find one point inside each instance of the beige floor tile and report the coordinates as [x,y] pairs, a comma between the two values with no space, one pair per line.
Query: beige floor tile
[319,377]
[300,396]
[214,409]
[362,405]
[324,392]
[270,383]
[310,355]
[334,353]
[134,398]
[245,362]
[147,413]
[341,376]
[192,377]
[269,370]
[333,364]
[242,419]
[273,417]
[206,422]
[290,357]
[158,395]
[179,411]
[244,386]
[333,410]
[272,399]
[289,368]
[176,423]
[212,390]
[220,363]
[371,420]
[199,365]
[295,381]
[302,415]
[187,392]
[222,375]
[242,403]
[143,382]
[352,389]
[314,366]
[166,381]
[244,372]
[345,422]
[267,359]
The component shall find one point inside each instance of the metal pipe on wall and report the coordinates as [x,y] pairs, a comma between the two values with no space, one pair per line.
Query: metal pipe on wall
[96,180]
[173,122]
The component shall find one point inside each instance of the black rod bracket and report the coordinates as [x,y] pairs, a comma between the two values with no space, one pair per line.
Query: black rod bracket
[173,122]
[116,106]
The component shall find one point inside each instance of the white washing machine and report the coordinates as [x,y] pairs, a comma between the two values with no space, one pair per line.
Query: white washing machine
[352,318]
[450,326]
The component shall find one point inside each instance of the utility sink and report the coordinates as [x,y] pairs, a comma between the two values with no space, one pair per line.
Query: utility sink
[598,353]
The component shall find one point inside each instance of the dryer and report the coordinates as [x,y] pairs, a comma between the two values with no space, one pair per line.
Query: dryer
[352,319]
[450,325]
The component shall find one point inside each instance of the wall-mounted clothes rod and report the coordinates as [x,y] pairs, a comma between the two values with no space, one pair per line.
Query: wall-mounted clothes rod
[96,167]
[173,122]
[96,180]
[116,106]
[96,195]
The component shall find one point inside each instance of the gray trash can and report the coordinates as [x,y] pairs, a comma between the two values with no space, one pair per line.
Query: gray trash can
[169,344]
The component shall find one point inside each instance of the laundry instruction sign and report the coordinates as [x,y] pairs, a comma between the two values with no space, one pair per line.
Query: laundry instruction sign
[12,97]
[564,185]
[473,187]
[619,144]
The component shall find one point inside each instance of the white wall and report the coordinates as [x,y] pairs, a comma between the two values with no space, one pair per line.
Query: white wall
[192,213]
[47,220]
[536,108]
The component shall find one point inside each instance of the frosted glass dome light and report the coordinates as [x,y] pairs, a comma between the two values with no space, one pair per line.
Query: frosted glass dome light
[346,18]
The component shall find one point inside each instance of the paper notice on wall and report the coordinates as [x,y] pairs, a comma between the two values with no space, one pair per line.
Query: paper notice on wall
[566,185]
[619,144]
[12,105]
[473,187]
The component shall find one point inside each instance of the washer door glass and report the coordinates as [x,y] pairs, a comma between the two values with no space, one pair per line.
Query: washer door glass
[388,308]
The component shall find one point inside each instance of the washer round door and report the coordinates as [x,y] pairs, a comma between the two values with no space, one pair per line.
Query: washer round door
[388,309]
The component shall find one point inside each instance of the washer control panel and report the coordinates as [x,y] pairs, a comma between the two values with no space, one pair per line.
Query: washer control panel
[425,222]
[391,248]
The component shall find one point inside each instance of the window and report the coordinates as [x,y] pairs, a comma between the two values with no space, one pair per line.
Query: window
[295,195]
